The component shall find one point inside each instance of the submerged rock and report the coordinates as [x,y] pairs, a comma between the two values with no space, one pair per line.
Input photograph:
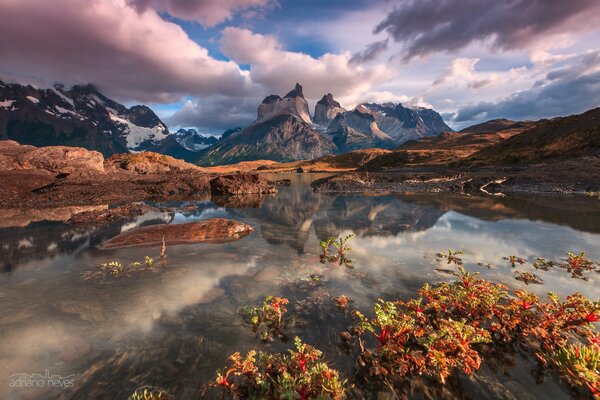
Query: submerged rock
[214,230]
[241,184]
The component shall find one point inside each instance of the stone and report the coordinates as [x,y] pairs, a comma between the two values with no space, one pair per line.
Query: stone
[216,230]
[237,184]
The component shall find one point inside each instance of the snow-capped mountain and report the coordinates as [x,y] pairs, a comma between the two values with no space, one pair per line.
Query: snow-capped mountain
[403,123]
[191,140]
[80,116]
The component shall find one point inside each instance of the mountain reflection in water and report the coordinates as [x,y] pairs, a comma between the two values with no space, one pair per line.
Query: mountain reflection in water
[173,329]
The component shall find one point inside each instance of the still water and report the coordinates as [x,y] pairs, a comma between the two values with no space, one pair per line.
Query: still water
[103,339]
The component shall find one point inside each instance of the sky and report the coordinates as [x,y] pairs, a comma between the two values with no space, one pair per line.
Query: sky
[207,64]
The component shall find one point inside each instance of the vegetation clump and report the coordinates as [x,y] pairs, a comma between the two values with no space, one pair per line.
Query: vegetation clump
[452,257]
[577,264]
[300,374]
[267,320]
[334,250]
[444,328]
[528,277]
[514,260]
[115,268]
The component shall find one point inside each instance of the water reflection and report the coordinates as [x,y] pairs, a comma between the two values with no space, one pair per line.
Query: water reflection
[173,329]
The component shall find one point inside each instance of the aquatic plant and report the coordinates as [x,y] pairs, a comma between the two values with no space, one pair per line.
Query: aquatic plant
[112,268]
[543,264]
[577,264]
[579,365]
[149,394]
[440,331]
[334,250]
[342,302]
[452,257]
[527,277]
[267,319]
[148,261]
[514,260]
[300,374]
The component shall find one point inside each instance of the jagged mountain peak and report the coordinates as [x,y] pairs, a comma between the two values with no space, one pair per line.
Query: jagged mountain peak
[329,101]
[295,92]
[292,103]
[270,99]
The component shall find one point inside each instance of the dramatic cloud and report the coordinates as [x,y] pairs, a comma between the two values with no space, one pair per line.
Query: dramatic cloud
[206,12]
[568,90]
[274,70]
[126,53]
[426,26]
[277,69]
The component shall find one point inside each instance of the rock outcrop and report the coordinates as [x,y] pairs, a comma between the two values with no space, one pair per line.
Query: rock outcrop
[150,163]
[292,103]
[326,110]
[57,160]
[241,184]
[216,230]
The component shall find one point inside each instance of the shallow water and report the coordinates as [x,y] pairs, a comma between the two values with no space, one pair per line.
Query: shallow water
[172,329]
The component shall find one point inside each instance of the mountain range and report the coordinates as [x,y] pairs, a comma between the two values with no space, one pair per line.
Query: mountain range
[283,131]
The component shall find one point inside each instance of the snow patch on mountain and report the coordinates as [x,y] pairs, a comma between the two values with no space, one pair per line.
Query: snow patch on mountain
[136,135]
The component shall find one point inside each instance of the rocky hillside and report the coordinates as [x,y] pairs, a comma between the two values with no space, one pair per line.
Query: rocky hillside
[282,132]
[550,140]
[80,116]
[449,147]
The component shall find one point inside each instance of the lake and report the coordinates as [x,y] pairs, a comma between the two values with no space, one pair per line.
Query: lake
[105,338]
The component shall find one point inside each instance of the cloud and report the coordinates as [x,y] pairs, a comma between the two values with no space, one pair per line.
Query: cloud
[571,89]
[274,70]
[372,51]
[462,70]
[206,12]
[215,114]
[277,69]
[427,26]
[129,54]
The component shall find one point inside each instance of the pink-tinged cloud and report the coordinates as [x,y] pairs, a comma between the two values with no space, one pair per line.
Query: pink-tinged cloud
[206,12]
[127,53]
[277,69]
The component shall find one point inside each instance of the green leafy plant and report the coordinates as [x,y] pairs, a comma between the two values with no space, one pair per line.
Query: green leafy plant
[300,374]
[543,264]
[514,260]
[579,365]
[334,250]
[267,320]
[452,257]
[112,268]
